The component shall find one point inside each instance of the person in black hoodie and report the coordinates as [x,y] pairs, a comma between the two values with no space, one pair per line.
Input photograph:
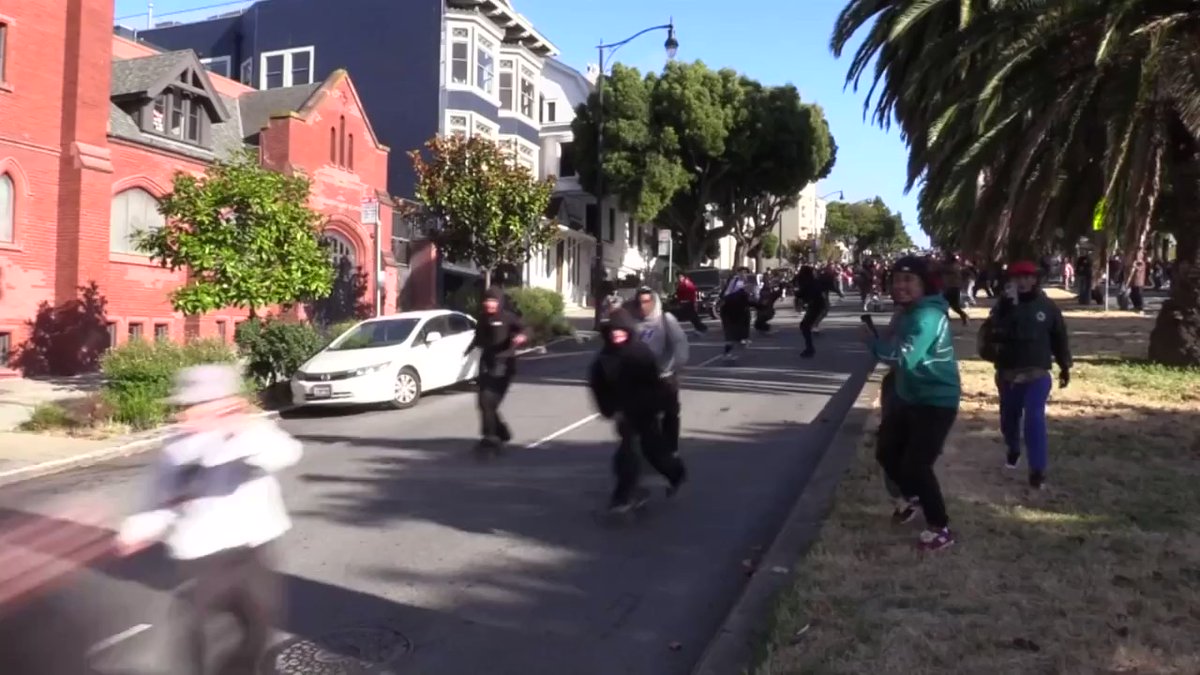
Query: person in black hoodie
[627,389]
[498,334]
[811,292]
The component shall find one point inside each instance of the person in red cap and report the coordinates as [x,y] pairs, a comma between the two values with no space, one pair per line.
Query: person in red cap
[1024,336]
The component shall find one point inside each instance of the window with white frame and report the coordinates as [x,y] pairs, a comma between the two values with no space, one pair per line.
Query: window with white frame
[550,112]
[484,129]
[8,207]
[247,73]
[286,68]
[220,65]
[460,56]
[133,211]
[506,85]
[485,64]
[528,92]
[457,125]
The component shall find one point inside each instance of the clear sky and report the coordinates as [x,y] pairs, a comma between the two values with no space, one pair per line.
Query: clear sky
[775,41]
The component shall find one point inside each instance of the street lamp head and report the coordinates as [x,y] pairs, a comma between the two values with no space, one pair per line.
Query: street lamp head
[671,45]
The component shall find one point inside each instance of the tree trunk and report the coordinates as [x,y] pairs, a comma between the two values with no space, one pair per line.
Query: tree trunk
[1175,340]
[487,278]
[739,254]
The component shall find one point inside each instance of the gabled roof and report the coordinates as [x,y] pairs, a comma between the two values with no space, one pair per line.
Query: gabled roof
[258,107]
[335,78]
[517,28]
[146,77]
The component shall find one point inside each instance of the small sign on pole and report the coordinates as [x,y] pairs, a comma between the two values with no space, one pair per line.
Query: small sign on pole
[664,242]
[370,212]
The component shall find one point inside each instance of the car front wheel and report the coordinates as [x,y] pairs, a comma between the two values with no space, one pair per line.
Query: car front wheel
[406,390]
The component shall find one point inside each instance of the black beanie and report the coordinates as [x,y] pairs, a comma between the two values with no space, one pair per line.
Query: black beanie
[621,319]
[494,293]
[912,264]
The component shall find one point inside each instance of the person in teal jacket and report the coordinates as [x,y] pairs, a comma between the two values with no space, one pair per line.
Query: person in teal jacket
[920,351]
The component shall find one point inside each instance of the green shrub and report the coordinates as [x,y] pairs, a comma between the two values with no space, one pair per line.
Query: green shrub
[334,331]
[465,299]
[542,311]
[275,349]
[139,376]
[47,416]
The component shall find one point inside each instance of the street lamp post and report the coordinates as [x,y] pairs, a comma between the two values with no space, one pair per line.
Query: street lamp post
[672,46]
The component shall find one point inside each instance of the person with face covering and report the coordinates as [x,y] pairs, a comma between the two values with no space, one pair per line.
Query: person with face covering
[627,388]
[1025,333]
[736,303]
[661,332]
[498,334]
[926,397]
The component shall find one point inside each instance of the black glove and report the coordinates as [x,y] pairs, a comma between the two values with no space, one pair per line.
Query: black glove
[1064,378]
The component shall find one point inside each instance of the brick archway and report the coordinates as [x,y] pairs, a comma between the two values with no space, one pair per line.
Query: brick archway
[349,298]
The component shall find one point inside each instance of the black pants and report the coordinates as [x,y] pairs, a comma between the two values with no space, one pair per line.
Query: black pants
[642,437]
[813,314]
[1136,297]
[238,582]
[492,390]
[687,312]
[954,299]
[910,440]
[762,318]
[670,414]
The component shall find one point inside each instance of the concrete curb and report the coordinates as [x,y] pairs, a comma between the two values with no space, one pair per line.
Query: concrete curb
[733,647]
[125,447]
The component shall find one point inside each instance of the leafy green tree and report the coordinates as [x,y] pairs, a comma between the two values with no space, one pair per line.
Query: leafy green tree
[796,251]
[246,236]
[491,209]
[1023,117]
[678,143]
[864,225]
[777,147]
[768,245]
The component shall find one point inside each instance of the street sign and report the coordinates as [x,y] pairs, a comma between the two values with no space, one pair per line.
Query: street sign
[370,212]
[664,242]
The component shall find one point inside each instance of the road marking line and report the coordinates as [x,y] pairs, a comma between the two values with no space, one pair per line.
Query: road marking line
[565,430]
[578,423]
[109,643]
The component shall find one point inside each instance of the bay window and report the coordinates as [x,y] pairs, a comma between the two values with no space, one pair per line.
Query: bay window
[460,56]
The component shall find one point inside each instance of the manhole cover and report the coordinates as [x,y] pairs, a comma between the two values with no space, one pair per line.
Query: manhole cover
[353,651]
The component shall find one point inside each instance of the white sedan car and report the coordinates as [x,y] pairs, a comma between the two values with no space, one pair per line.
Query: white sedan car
[390,359]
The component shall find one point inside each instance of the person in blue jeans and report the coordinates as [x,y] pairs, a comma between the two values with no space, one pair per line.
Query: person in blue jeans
[1029,334]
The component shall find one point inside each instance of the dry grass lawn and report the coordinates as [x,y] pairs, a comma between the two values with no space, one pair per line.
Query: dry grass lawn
[1099,573]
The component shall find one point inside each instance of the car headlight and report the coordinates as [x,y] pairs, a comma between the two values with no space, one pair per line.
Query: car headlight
[371,369]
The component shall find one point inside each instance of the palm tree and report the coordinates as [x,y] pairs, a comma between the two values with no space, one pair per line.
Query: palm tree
[1027,118]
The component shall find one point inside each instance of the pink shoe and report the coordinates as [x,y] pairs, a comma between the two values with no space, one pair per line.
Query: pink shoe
[935,540]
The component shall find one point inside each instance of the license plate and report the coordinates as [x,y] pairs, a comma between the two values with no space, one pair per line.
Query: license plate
[322,391]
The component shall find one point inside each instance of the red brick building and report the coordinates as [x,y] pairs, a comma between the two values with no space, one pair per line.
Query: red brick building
[92,129]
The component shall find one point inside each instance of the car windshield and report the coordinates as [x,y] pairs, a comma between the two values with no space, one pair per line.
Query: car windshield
[709,277]
[375,334]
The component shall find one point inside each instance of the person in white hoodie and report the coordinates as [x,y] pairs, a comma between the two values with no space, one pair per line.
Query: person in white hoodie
[215,503]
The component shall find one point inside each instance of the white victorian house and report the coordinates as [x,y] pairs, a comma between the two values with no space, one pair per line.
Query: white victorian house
[565,266]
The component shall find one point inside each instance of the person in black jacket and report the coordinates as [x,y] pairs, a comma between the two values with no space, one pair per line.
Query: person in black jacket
[736,303]
[811,293]
[1027,333]
[498,334]
[626,386]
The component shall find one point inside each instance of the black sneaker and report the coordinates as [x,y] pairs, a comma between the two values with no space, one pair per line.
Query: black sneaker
[673,487]
[1037,480]
[1010,461]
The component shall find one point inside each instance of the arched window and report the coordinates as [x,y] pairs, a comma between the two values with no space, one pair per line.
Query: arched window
[333,145]
[350,152]
[339,247]
[8,207]
[133,211]
[342,151]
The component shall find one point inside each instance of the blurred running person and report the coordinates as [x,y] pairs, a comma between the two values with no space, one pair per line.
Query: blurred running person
[927,394]
[735,314]
[628,389]
[1023,336]
[952,277]
[687,299]
[811,292]
[659,331]
[498,334]
[216,502]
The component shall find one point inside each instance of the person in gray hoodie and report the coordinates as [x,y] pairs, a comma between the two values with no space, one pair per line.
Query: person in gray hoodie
[665,337]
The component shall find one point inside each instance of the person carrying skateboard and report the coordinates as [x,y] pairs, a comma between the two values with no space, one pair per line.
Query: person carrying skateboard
[627,389]
[498,334]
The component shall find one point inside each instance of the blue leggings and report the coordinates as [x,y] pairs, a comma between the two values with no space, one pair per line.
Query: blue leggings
[1026,400]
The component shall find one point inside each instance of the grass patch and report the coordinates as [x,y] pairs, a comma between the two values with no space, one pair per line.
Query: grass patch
[1100,573]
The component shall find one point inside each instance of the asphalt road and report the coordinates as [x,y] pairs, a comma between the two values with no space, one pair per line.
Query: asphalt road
[407,548]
